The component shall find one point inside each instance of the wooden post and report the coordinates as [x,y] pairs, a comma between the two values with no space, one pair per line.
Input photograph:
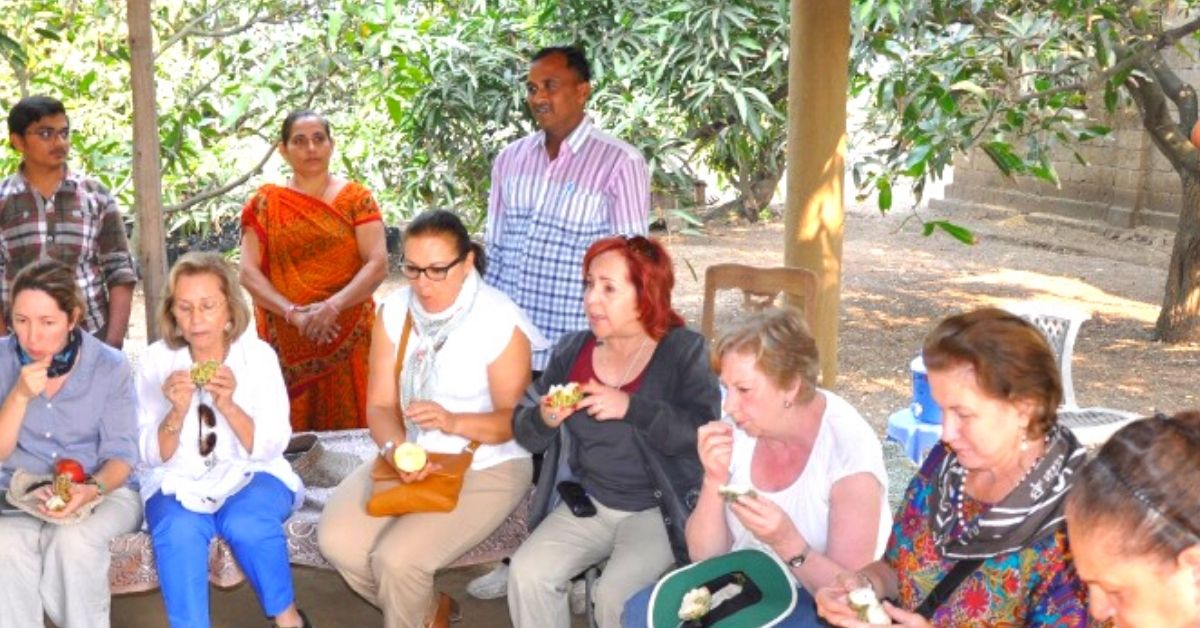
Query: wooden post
[818,78]
[147,169]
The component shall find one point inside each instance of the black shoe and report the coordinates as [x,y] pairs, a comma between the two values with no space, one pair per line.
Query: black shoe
[303,618]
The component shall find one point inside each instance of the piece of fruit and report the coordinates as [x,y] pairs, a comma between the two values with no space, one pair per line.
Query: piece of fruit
[203,371]
[70,468]
[61,491]
[564,395]
[410,457]
[731,493]
[867,606]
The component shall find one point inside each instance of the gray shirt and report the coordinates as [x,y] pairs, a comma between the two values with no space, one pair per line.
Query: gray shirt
[92,418]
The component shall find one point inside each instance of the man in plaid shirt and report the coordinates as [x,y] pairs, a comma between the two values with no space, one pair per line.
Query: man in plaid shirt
[48,211]
[554,193]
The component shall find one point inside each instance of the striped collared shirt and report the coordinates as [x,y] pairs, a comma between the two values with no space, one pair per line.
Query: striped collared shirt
[543,215]
[79,225]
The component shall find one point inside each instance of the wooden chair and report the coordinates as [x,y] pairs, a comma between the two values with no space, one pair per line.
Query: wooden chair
[760,288]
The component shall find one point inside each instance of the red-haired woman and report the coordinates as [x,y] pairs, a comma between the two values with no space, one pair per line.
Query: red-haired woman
[630,442]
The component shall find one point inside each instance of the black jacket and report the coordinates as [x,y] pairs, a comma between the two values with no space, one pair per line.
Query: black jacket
[677,395]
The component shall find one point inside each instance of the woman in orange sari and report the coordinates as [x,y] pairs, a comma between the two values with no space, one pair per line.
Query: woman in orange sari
[313,253]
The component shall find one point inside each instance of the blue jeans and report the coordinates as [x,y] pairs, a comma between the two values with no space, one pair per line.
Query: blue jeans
[803,615]
[251,521]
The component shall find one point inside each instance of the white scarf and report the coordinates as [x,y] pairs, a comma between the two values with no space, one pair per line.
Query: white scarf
[419,379]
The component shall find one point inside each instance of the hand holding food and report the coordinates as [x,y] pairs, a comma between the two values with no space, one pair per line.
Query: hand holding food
[409,457]
[714,444]
[203,371]
[730,493]
[66,473]
[563,396]
[867,606]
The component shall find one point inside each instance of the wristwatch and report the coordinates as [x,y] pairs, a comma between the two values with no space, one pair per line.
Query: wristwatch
[387,447]
[798,559]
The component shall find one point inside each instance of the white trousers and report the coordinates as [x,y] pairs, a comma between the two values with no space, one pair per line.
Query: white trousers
[563,545]
[62,570]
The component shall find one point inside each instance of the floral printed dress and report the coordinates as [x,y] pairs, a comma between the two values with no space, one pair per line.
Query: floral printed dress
[1036,586]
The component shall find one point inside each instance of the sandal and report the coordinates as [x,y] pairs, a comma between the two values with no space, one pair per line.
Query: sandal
[303,618]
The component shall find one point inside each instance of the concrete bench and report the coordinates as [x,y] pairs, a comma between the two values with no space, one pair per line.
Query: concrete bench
[334,457]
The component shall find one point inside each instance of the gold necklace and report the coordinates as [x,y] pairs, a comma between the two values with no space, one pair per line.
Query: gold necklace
[633,360]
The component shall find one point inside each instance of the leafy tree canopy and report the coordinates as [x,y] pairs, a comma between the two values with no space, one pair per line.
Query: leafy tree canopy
[1017,79]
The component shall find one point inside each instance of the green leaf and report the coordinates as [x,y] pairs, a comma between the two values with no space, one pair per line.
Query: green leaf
[962,234]
[969,86]
[885,194]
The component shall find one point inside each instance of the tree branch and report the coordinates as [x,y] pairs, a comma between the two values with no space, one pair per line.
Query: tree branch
[192,201]
[1180,93]
[189,27]
[1156,118]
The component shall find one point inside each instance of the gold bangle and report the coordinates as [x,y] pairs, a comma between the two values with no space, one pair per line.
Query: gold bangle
[170,429]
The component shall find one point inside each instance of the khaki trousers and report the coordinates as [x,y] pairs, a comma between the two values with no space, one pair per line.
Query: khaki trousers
[391,561]
[62,570]
[564,545]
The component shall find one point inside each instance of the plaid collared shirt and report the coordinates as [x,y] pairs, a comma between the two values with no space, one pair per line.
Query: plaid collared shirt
[79,225]
[543,215]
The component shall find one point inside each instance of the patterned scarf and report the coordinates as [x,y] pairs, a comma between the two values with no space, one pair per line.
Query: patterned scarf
[1030,512]
[419,379]
[63,361]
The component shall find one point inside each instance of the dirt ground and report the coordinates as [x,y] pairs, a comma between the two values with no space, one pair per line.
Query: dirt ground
[896,285]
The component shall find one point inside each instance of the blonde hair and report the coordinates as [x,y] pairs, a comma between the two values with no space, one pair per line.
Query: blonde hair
[203,263]
[782,347]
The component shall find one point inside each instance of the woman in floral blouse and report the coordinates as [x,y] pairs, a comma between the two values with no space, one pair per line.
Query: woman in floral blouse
[987,505]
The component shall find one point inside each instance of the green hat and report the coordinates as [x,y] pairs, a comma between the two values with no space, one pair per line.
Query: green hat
[767,596]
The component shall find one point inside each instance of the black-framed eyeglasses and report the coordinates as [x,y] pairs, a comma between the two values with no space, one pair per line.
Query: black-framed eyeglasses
[433,272]
[208,418]
[47,133]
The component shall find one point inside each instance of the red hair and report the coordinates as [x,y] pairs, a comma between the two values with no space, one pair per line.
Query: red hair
[652,276]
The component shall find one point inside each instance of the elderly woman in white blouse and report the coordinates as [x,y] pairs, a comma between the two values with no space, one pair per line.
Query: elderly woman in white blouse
[214,425]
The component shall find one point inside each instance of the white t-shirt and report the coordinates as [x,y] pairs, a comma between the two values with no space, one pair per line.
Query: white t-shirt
[845,445]
[462,363]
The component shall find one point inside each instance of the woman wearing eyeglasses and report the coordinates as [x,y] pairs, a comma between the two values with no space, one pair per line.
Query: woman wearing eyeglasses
[464,367]
[213,416]
[65,395]
[313,252]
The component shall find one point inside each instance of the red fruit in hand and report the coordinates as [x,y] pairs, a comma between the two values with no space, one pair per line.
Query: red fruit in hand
[70,468]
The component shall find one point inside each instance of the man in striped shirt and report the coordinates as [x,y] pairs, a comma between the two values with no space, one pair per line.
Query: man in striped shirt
[554,193]
[48,211]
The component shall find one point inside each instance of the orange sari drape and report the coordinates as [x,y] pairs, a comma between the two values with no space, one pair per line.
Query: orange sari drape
[309,252]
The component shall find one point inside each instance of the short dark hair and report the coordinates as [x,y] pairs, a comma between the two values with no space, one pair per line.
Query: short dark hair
[1144,486]
[55,279]
[31,109]
[447,223]
[298,115]
[576,60]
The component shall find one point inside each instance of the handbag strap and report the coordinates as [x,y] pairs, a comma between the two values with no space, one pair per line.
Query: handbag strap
[947,585]
[408,324]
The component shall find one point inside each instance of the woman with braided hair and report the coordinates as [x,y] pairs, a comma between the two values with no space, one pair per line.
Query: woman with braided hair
[1133,518]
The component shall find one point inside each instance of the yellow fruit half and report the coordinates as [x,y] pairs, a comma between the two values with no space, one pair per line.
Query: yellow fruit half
[409,457]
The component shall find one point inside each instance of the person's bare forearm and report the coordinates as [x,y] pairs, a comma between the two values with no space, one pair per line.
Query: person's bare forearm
[120,303]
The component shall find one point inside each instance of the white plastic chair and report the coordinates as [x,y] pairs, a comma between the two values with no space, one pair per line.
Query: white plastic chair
[1060,325]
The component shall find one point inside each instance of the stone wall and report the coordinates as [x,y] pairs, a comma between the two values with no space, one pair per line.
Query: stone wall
[1126,182]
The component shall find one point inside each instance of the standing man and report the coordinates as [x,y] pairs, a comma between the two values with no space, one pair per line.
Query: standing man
[48,211]
[554,193]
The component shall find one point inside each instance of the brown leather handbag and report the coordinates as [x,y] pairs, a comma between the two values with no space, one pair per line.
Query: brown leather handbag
[438,492]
